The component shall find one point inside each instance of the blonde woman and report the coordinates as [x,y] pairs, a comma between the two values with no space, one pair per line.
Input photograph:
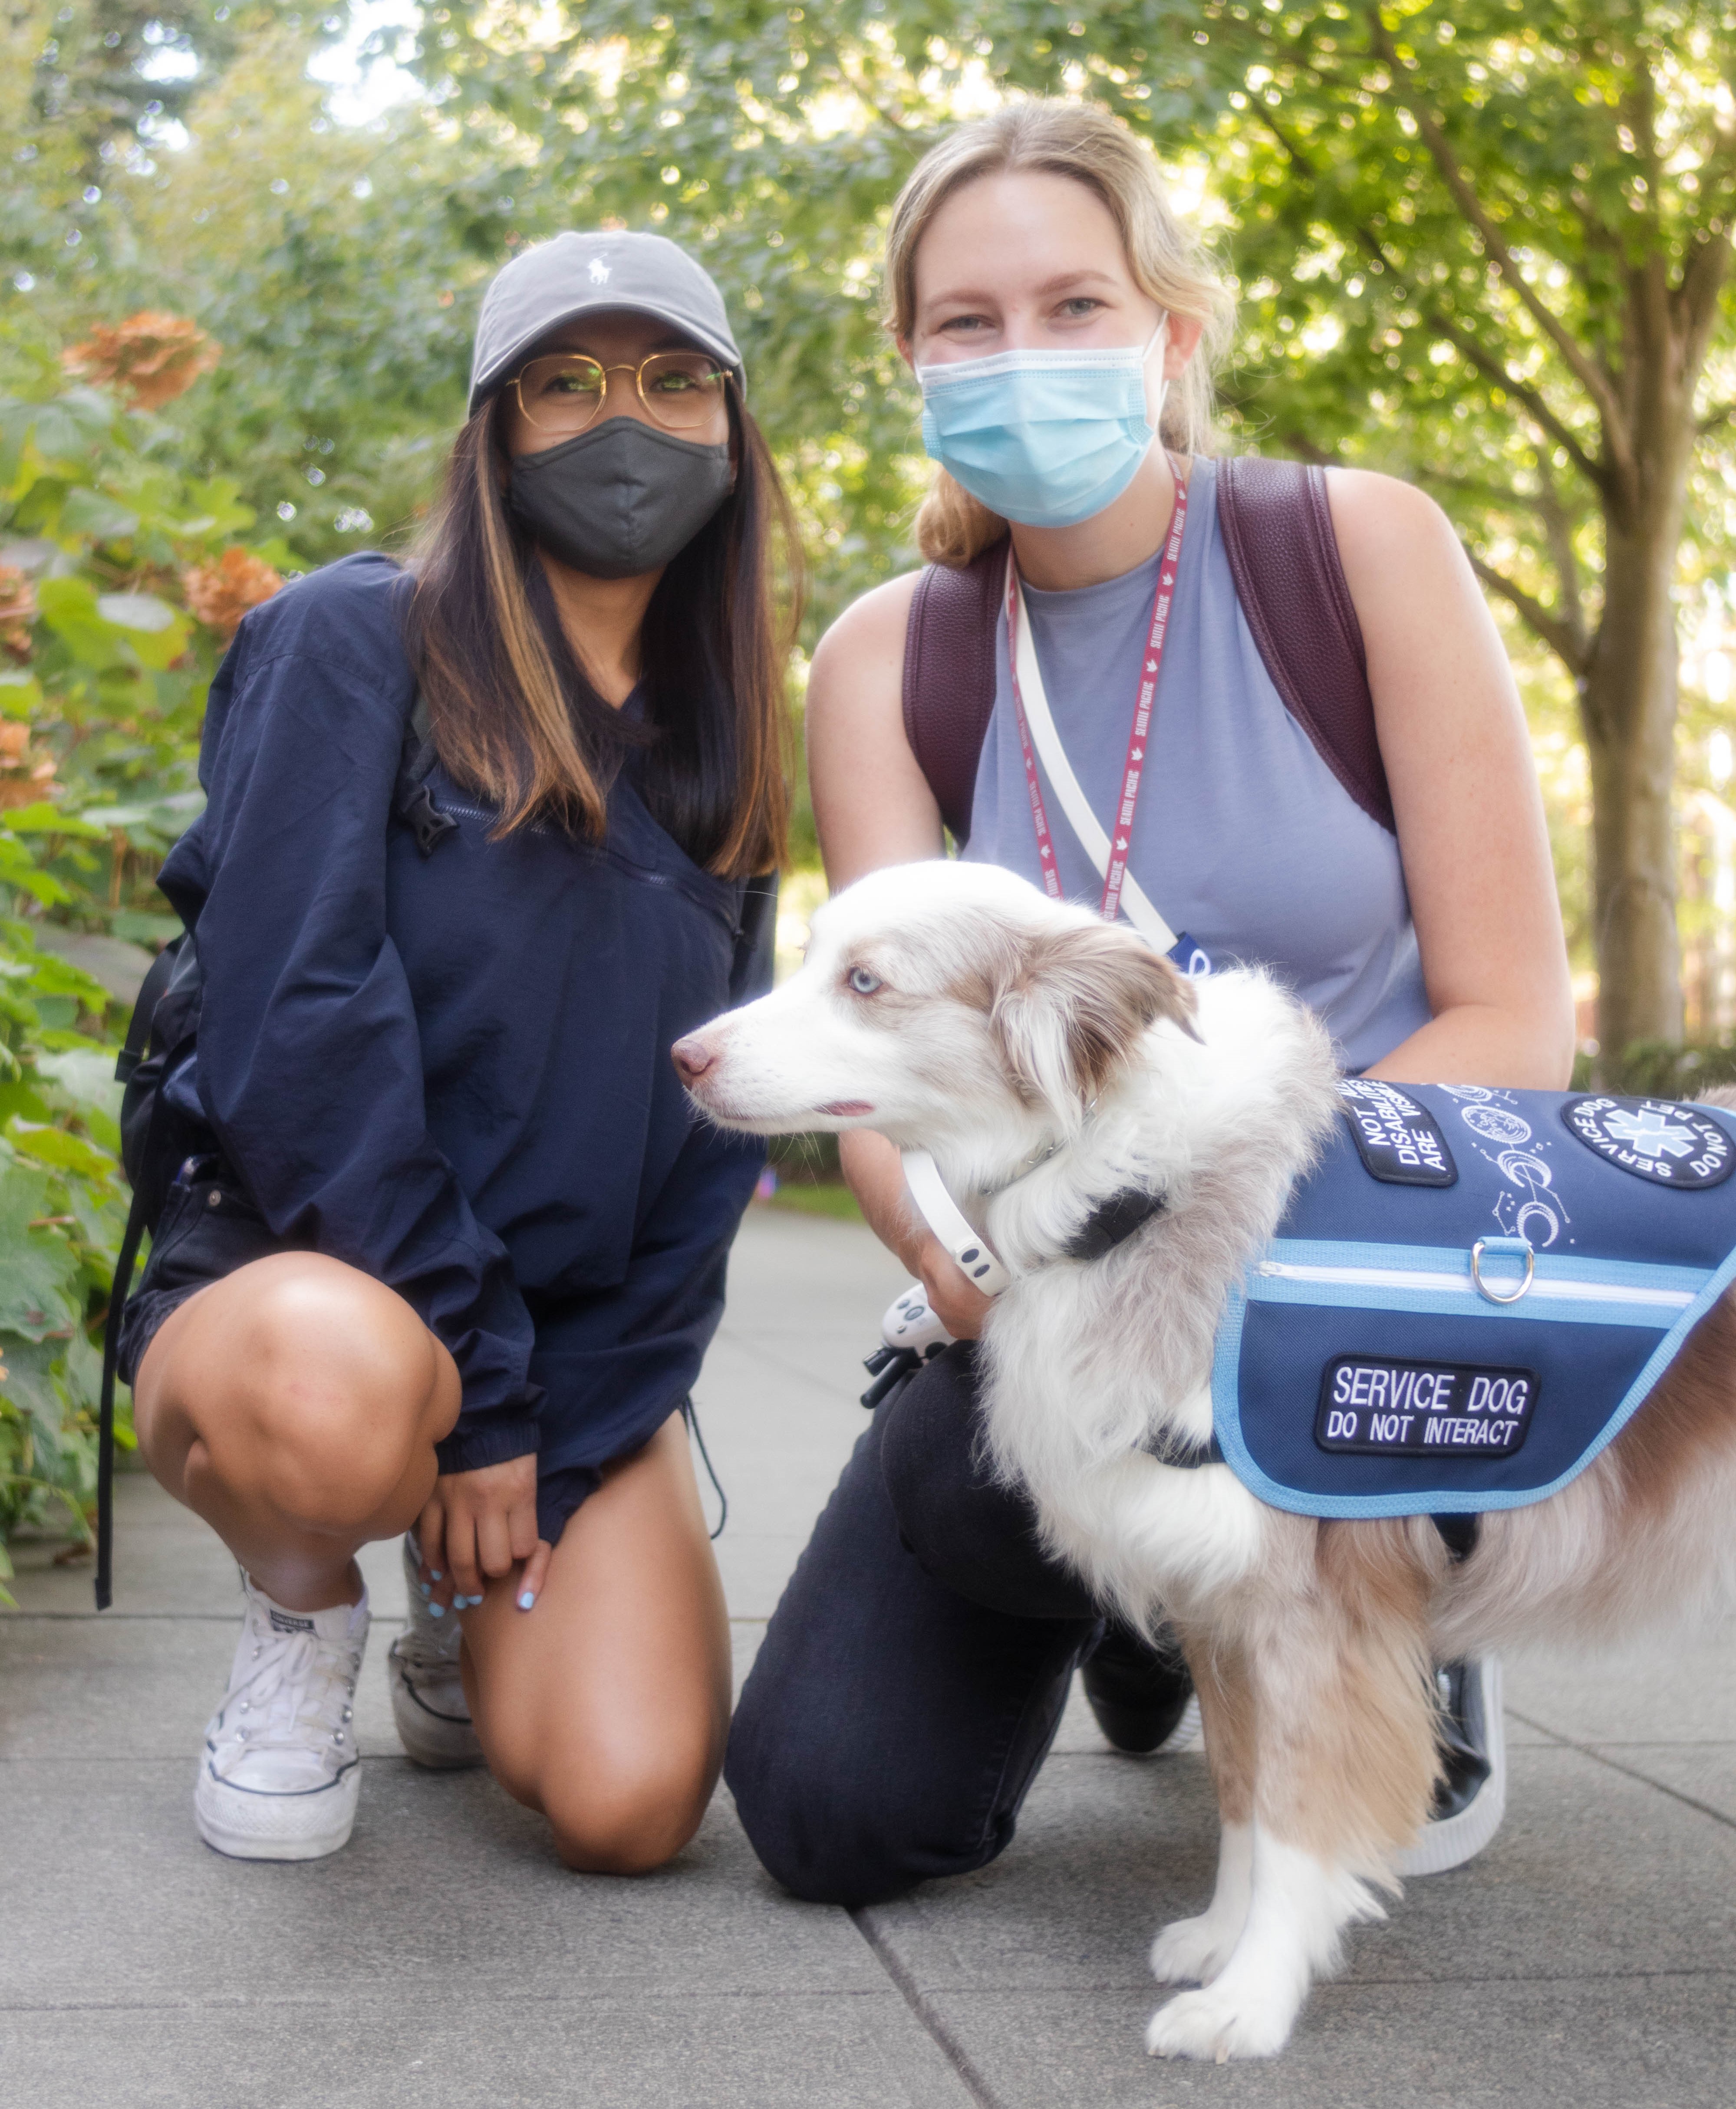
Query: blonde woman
[1395,869]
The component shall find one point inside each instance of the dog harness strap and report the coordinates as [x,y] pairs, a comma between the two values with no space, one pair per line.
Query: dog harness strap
[949,1223]
[1112,1222]
[1031,709]
[1167,1450]
[1459,1534]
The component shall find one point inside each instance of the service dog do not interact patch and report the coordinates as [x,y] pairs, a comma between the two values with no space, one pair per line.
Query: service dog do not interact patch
[1381,1408]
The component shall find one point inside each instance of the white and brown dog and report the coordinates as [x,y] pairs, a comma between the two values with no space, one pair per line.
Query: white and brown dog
[1049,1061]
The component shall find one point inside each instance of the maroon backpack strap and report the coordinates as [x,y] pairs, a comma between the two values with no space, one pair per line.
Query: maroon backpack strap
[1278,533]
[949,677]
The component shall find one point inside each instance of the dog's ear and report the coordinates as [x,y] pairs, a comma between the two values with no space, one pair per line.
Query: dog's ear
[1073,1008]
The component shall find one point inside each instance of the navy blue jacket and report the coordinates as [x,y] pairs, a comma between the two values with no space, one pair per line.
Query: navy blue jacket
[453,1070]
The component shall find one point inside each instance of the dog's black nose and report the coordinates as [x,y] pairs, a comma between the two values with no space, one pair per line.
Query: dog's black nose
[692,1058]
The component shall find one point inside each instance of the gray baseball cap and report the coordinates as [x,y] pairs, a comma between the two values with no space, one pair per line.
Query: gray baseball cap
[552,281]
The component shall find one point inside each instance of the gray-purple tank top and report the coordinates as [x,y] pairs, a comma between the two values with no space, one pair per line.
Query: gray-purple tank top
[1244,837]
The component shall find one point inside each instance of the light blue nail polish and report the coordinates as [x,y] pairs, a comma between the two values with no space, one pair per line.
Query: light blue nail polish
[526,1601]
[435,1572]
[438,1611]
[424,1588]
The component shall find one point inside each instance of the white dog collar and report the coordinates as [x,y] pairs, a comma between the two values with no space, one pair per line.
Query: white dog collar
[949,1223]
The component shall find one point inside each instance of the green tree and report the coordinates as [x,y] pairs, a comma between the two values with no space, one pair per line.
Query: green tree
[1486,247]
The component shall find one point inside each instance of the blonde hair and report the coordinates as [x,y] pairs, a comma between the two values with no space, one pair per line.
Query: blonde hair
[1167,265]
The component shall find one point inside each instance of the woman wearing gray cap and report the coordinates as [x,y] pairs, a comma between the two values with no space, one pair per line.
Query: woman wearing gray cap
[445,1247]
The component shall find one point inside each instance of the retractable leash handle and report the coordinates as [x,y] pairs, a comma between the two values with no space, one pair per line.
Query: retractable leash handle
[911,1335]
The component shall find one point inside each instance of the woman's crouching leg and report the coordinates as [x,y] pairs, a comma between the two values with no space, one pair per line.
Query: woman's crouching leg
[294,1405]
[606,1705]
[891,1727]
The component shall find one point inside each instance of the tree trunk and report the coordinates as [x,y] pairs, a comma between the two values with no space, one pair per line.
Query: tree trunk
[1628,704]
[1630,711]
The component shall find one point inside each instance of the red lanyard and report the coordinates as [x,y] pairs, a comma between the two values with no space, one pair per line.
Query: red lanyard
[1150,667]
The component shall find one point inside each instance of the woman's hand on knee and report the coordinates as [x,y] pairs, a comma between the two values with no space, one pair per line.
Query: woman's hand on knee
[481,1524]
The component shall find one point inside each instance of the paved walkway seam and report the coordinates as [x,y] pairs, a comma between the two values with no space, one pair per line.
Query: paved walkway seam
[1596,1754]
[950,2047]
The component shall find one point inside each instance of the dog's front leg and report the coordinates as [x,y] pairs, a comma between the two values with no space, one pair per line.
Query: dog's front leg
[1344,1762]
[1193,1951]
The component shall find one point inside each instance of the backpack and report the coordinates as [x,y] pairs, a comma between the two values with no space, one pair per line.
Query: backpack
[1278,533]
[156,1136]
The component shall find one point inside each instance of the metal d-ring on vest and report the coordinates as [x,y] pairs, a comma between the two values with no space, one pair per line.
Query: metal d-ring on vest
[1501,1245]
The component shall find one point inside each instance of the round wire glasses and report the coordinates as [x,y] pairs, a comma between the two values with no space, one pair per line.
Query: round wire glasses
[564,391]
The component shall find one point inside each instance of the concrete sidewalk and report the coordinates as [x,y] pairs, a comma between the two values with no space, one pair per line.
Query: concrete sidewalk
[444,1959]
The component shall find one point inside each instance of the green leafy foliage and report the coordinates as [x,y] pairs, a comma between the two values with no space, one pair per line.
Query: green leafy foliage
[103,688]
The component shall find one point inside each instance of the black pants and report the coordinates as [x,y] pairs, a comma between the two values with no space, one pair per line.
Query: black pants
[912,1678]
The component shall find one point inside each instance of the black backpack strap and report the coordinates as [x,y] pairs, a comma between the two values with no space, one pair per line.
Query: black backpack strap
[412,800]
[144,1009]
[118,1294]
[134,1051]
[949,677]
[1278,533]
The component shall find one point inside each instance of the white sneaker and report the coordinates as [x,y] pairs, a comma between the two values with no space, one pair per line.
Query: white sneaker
[427,1693]
[280,1778]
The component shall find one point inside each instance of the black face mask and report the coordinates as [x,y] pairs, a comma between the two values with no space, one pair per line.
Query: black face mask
[620,499]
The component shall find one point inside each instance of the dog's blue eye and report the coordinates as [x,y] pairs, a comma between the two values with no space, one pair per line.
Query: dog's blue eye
[862,981]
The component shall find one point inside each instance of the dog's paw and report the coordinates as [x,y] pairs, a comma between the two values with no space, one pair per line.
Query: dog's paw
[1193,1950]
[1214,2026]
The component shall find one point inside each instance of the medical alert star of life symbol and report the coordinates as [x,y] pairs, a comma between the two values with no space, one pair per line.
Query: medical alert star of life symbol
[1655,1139]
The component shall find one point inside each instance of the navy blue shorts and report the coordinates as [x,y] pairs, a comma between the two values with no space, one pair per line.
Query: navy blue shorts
[208,1229]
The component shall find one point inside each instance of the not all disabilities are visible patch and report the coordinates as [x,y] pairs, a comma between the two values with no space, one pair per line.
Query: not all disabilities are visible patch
[1399,1142]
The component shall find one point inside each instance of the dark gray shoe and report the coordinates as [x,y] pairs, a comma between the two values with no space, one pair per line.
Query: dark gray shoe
[1141,1695]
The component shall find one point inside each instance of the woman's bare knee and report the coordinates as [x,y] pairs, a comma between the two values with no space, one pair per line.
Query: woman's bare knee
[625,1827]
[318,1386]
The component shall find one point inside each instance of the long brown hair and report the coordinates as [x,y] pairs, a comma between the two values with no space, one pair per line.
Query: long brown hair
[514,716]
[1058,138]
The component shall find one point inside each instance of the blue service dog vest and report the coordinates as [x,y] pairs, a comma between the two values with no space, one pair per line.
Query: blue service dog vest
[1471,1296]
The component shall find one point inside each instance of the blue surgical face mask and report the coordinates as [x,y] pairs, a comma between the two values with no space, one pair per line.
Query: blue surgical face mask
[1043,438]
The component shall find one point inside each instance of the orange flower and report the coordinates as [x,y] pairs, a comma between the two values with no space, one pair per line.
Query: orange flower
[24,777]
[17,610]
[221,594]
[151,358]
